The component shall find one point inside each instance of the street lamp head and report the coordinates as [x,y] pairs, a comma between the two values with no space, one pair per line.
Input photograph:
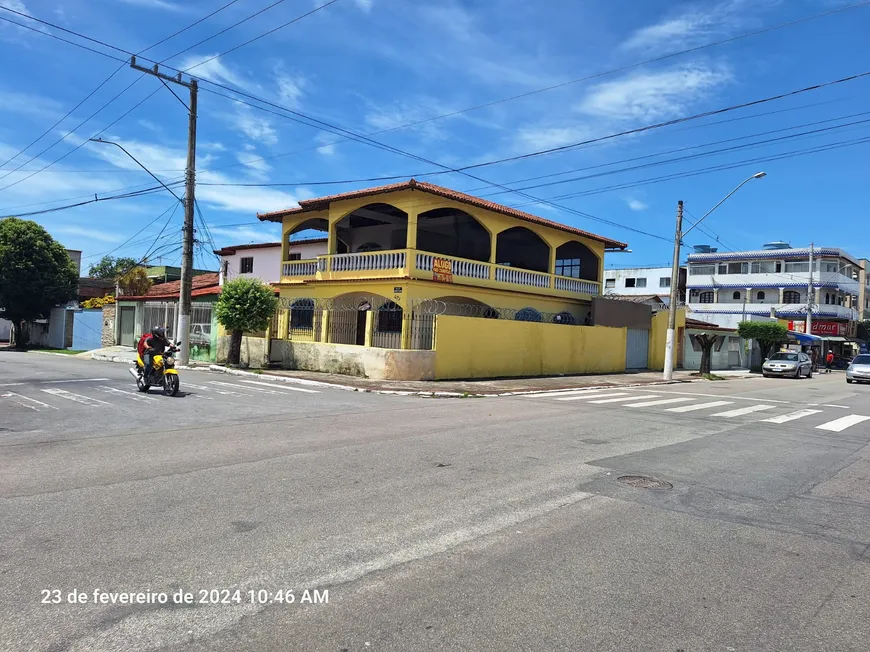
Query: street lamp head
[759,175]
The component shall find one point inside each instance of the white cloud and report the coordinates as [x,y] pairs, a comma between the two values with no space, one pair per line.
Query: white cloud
[365,5]
[255,126]
[545,137]
[215,71]
[636,205]
[155,4]
[653,95]
[27,104]
[89,233]
[290,87]
[256,166]
[247,234]
[328,140]
[696,24]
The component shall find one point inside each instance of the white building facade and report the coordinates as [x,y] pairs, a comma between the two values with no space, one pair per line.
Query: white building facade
[727,288]
[643,281]
[263,260]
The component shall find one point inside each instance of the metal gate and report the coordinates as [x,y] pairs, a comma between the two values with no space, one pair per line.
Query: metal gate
[637,349]
[128,326]
[87,329]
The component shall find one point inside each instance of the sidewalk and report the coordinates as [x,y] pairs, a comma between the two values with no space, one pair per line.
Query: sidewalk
[489,387]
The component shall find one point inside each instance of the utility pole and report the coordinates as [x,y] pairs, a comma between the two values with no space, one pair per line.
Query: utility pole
[672,308]
[183,328]
[810,292]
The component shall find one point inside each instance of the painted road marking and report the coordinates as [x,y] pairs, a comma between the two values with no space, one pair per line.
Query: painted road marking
[699,406]
[590,395]
[664,401]
[10,384]
[838,425]
[625,398]
[845,407]
[76,398]
[234,387]
[135,396]
[76,380]
[791,416]
[733,398]
[274,386]
[563,392]
[18,398]
[730,414]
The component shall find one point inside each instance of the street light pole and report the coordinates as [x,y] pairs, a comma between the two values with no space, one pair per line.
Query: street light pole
[675,273]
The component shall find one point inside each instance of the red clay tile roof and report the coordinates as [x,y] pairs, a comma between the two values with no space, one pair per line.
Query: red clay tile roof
[319,203]
[201,285]
[696,324]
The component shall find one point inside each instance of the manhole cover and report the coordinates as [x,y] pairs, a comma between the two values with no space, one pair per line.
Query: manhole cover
[644,482]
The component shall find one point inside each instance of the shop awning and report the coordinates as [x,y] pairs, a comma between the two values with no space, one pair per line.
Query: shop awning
[835,338]
[803,338]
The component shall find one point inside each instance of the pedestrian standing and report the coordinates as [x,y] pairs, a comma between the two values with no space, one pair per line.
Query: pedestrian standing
[829,360]
[815,360]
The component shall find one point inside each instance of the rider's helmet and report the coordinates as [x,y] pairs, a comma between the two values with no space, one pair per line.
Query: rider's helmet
[160,331]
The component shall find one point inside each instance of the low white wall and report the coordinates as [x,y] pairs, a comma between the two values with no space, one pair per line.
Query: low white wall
[351,360]
[5,330]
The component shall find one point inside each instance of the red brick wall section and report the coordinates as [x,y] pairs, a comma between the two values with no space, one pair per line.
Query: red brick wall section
[108,338]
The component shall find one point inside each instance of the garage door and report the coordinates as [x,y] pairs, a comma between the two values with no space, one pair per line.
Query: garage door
[637,349]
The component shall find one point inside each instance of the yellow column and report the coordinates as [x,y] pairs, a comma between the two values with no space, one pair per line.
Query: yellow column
[411,242]
[324,327]
[283,324]
[370,327]
[406,329]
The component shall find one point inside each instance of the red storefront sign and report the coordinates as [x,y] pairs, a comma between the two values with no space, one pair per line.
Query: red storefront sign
[822,328]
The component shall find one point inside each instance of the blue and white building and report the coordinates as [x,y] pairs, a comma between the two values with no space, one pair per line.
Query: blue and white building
[726,288]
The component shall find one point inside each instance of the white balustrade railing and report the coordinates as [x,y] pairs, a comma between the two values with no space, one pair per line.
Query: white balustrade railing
[368,261]
[459,267]
[522,277]
[299,268]
[576,285]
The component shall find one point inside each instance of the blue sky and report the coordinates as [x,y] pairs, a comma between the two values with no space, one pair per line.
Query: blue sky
[374,65]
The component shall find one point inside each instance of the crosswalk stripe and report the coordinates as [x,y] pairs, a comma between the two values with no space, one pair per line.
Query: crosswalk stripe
[842,423]
[275,386]
[699,406]
[791,416]
[18,398]
[625,398]
[233,390]
[76,398]
[133,396]
[663,401]
[730,414]
[580,397]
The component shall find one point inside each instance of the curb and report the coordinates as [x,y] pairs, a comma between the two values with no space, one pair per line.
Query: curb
[62,355]
[114,358]
[285,379]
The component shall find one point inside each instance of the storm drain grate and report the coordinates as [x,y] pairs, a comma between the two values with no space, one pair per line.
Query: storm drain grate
[644,482]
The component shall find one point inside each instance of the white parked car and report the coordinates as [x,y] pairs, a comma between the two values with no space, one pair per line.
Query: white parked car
[859,370]
[788,363]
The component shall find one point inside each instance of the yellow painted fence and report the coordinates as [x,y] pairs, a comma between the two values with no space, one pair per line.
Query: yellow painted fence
[468,347]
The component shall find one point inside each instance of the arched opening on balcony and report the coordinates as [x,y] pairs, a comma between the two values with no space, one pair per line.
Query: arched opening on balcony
[305,241]
[576,260]
[523,248]
[374,227]
[453,232]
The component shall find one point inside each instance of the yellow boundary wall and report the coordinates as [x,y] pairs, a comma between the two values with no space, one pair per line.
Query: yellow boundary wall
[467,347]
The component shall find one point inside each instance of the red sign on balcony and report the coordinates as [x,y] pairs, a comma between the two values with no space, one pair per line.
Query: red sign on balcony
[834,328]
[442,270]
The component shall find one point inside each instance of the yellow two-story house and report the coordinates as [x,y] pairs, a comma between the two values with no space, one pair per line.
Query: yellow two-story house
[399,255]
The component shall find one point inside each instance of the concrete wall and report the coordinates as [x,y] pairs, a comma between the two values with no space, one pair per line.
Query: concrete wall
[721,359]
[620,314]
[5,330]
[350,360]
[267,264]
[468,347]
[253,351]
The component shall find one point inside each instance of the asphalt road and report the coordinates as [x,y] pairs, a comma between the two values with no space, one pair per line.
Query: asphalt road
[434,524]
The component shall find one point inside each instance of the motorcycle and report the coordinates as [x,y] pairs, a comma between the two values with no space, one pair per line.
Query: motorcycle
[163,373]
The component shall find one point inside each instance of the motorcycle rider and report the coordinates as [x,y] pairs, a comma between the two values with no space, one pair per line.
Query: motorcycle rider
[156,344]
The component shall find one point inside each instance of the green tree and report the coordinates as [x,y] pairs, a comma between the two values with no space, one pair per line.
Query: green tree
[134,282]
[767,333]
[706,342]
[110,267]
[245,305]
[36,273]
